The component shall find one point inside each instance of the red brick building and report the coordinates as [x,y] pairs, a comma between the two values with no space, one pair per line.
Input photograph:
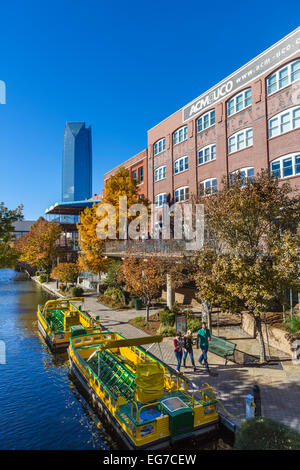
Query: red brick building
[248,121]
[138,169]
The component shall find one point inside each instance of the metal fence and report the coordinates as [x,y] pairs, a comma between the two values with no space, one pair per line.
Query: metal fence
[146,247]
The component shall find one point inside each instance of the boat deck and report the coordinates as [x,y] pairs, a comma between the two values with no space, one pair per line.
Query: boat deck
[117,375]
[127,414]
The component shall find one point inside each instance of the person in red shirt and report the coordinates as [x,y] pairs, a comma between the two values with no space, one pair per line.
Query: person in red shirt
[178,347]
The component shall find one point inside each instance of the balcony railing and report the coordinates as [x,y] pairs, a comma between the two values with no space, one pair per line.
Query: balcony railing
[123,248]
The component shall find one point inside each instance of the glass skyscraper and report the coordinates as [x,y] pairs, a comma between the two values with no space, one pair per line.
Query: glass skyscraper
[77,162]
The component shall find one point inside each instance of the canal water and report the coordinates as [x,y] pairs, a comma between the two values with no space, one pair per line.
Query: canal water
[40,407]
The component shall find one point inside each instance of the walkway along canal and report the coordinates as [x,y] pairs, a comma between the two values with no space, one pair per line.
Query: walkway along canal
[41,408]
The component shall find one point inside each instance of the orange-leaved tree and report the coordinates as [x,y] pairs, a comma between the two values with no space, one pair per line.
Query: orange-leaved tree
[91,256]
[38,247]
[65,272]
[121,184]
[144,278]
[91,245]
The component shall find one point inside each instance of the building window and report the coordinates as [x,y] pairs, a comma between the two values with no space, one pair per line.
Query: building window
[138,175]
[160,173]
[141,174]
[288,165]
[206,121]
[284,122]
[207,154]
[245,174]
[283,77]
[181,164]
[180,135]
[181,194]
[238,102]
[207,187]
[160,199]
[159,146]
[240,140]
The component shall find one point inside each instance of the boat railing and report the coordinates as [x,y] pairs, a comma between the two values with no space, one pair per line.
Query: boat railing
[206,397]
[45,318]
[139,410]
[63,303]
[182,382]
[146,406]
[136,409]
[84,315]
[92,339]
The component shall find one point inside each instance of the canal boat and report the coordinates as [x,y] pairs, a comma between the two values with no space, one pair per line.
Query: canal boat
[146,401]
[59,320]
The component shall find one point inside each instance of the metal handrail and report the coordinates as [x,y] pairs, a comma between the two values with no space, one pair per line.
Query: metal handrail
[133,402]
[208,387]
[145,406]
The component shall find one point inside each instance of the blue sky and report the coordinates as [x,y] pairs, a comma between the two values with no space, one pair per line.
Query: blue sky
[119,66]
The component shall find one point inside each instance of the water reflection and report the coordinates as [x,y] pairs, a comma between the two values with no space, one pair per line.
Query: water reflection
[40,406]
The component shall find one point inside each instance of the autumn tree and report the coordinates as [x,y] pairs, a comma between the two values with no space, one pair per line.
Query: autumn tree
[65,272]
[39,246]
[121,184]
[251,247]
[91,256]
[143,278]
[8,255]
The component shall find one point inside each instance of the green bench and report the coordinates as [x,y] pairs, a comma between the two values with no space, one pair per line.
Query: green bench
[221,347]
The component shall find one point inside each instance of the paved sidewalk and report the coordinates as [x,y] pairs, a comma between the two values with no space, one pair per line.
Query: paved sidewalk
[280,386]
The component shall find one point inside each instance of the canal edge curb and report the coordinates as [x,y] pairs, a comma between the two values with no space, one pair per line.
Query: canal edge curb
[48,289]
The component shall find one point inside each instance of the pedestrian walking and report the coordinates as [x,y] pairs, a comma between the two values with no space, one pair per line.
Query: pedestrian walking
[188,348]
[204,337]
[178,346]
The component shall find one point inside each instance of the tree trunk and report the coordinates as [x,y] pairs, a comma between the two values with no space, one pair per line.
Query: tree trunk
[170,292]
[283,313]
[262,352]
[205,311]
[209,325]
[147,311]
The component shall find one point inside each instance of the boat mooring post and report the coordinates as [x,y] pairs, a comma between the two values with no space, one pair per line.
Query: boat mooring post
[257,400]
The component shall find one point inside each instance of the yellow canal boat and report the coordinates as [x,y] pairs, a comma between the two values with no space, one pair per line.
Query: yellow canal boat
[59,320]
[147,402]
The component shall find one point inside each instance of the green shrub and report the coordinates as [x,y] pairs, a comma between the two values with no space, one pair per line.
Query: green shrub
[112,274]
[115,293]
[166,330]
[140,321]
[176,309]
[266,434]
[194,324]
[43,278]
[77,291]
[40,272]
[166,317]
[292,326]
[188,313]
